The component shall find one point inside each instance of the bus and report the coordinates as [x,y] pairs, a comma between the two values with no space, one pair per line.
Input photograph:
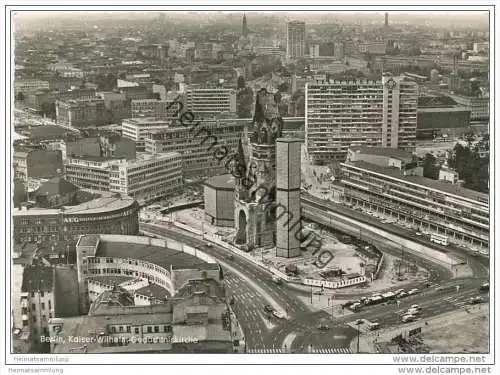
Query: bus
[439,239]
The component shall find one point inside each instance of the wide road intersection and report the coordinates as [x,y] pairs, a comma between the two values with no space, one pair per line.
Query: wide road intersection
[252,288]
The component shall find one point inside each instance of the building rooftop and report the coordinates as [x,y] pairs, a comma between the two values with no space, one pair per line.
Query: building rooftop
[38,279]
[436,101]
[153,290]
[100,205]
[445,187]
[88,240]
[383,151]
[222,182]
[146,120]
[160,256]
[442,109]
[111,280]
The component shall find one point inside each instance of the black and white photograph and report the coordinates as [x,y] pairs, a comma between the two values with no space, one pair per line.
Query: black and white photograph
[249,184]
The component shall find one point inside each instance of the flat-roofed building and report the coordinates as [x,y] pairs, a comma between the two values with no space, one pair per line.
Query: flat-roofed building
[372,113]
[148,177]
[29,85]
[154,108]
[380,180]
[81,113]
[199,145]
[209,102]
[295,39]
[137,129]
[145,178]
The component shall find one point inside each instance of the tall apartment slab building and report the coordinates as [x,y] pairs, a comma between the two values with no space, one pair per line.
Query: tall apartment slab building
[371,113]
[295,39]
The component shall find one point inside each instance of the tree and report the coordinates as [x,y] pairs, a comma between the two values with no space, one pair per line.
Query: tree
[471,167]
[431,170]
[241,82]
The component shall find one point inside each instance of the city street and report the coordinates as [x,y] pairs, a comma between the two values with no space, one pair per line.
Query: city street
[271,332]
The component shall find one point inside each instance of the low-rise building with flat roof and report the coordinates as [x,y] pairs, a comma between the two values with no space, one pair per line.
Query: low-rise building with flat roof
[219,200]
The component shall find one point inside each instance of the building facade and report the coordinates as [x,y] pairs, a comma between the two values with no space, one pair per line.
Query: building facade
[81,113]
[37,301]
[145,178]
[392,186]
[113,215]
[373,113]
[154,108]
[197,147]
[295,39]
[209,102]
[219,200]
[137,129]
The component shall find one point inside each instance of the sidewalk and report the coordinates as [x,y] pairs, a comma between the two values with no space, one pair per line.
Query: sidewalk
[367,342]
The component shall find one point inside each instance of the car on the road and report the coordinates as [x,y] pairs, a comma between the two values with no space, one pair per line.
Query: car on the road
[397,292]
[413,291]
[413,311]
[418,233]
[402,294]
[209,245]
[372,326]
[416,307]
[485,287]
[475,300]
[355,307]
[277,280]
[279,314]
[319,292]
[268,309]
[408,318]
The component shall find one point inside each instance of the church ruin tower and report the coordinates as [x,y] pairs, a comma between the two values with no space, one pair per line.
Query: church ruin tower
[255,195]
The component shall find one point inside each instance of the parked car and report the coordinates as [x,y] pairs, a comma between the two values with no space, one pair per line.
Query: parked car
[408,318]
[475,300]
[402,294]
[372,326]
[416,307]
[413,291]
[485,287]
[413,311]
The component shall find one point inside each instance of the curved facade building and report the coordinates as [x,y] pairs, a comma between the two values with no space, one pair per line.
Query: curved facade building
[108,215]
